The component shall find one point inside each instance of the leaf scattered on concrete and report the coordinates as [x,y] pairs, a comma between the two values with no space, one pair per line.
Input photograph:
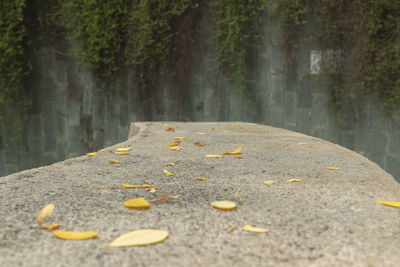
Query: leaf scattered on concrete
[121,153]
[250,228]
[294,180]
[201,178]
[235,124]
[137,186]
[163,198]
[198,144]
[224,205]
[268,182]
[200,133]
[167,172]
[137,203]
[238,194]
[301,144]
[237,151]
[231,229]
[332,168]
[238,157]
[213,156]
[46,211]
[124,149]
[71,235]
[91,154]
[213,129]
[287,138]
[169,164]
[139,238]
[174,143]
[170,129]
[395,204]
[240,130]
[113,161]
[176,148]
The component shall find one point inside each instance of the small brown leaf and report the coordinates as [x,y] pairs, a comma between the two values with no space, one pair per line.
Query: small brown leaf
[201,178]
[170,129]
[113,161]
[198,144]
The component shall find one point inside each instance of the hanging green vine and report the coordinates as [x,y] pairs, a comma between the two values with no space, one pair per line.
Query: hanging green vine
[14,67]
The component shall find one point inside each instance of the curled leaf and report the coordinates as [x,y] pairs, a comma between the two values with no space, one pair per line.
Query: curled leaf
[238,195]
[71,235]
[238,157]
[237,151]
[395,204]
[268,182]
[230,230]
[250,228]
[176,148]
[137,204]
[224,205]
[200,133]
[137,186]
[294,180]
[174,143]
[113,161]
[91,154]
[121,153]
[51,227]
[168,173]
[139,238]
[151,190]
[201,178]
[46,211]
[170,129]
[124,149]
[213,156]
[332,168]
[198,144]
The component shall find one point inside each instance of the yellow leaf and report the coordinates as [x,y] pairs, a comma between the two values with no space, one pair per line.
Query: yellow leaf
[235,124]
[250,228]
[174,143]
[390,203]
[137,204]
[226,131]
[268,182]
[224,205]
[287,138]
[124,149]
[176,148]
[74,235]
[170,129]
[238,157]
[213,156]
[169,164]
[92,154]
[237,151]
[238,195]
[152,190]
[198,144]
[174,196]
[113,161]
[230,230]
[294,180]
[201,178]
[46,210]
[139,238]
[199,133]
[51,227]
[213,129]
[240,130]
[121,153]
[168,173]
[189,139]
[180,138]
[332,168]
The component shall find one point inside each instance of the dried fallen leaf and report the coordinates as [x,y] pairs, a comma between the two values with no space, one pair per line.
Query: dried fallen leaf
[151,190]
[113,161]
[121,153]
[163,198]
[137,203]
[137,186]
[395,204]
[294,180]
[213,129]
[139,238]
[198,144]
[332,168]
[124,149]
[300,144]
[168,173]
[174,143]
[200,133]
[230,230]
[240,130]
[169,164]
[237,151]
[226,131]
[50,227]
[287,138]
[46,211]
[238,157]
[268,182]
[176,148]
[235,124]
[170,129]
[250,228]
[201,178]
[238,195]
[179,138]
[91,154]
[213,156]
[224,205]
[71,235]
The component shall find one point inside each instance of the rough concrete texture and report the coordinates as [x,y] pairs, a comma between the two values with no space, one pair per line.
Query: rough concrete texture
[331,218]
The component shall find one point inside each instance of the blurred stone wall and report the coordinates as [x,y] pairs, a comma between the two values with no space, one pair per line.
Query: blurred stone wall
[72,115]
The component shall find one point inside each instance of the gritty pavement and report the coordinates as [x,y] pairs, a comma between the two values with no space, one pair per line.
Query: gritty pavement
[330,218]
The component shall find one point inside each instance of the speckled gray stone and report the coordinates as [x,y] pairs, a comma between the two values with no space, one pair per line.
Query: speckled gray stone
[331,218]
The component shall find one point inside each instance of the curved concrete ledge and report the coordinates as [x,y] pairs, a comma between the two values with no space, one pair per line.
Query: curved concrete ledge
[331,218]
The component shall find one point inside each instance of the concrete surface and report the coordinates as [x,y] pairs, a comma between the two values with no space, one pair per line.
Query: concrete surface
[331,218]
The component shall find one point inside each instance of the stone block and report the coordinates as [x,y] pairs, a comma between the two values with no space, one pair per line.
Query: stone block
[290,110]
[303,120]
[74,110]
[61,150]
